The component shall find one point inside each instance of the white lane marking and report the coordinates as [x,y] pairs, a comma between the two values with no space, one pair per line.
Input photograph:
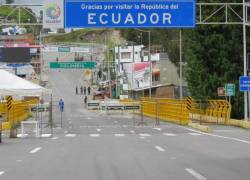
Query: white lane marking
[119,135]
[98,130]
[46,135]
[89,118]
[70,122]
[219,136]
[144,135]
[195,174]
[159,148]
[94,135]
[19,160]
[115,121]
[65,132]
[194,134]
[35,150]
[70,135]
[169,134]
[124,126]
[20,135]
[158,129]
[1,173]
[54,138]
[132,131]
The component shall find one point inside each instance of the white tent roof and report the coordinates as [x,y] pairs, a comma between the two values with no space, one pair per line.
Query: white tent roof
[11,84]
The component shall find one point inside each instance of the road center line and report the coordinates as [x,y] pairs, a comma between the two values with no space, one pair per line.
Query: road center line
[159,148]
[144,135]
[194,134]
[94,135]
[70,135]
[169,134]
[1,173]
[119,135]
[158,129]
[195,174]
[35,150]
[46,135]
[219,136]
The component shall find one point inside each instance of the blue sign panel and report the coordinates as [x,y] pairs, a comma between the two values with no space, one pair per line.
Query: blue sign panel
[130,13]
[244,83]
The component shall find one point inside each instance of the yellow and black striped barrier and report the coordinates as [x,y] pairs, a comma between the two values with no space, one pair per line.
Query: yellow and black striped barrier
[9,102]
[189,103]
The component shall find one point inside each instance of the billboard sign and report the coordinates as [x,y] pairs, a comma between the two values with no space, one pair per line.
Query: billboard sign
[137,74]
[53,14]
[130,13]
[15,55]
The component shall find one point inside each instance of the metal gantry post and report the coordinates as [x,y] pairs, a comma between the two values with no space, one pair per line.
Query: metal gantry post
[245,59]
[181,86]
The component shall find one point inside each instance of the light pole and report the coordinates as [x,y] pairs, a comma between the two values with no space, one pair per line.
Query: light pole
[181,74]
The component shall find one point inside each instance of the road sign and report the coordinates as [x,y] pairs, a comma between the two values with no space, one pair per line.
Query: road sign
[230,89]
[130,13]
[244,83]
[63,49]
[73,65]
[221,91]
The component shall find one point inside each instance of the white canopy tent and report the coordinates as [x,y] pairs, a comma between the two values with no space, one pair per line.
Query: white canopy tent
[12,85]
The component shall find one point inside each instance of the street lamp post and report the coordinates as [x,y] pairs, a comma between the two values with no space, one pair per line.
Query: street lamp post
[245,59]
[181,74]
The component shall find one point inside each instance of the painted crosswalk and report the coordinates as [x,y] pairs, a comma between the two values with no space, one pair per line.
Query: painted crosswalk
[142,135]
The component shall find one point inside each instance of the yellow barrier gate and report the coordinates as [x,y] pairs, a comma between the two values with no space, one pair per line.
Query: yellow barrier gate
[211,111]
[185,111]
[15,112]
[169,110]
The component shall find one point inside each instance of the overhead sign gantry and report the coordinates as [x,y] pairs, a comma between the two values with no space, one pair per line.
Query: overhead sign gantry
[121,14]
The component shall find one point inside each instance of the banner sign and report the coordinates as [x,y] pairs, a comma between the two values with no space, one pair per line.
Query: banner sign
[66,49]
[129,13]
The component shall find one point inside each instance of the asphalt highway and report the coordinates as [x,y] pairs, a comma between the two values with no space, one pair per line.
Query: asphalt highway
[95,146]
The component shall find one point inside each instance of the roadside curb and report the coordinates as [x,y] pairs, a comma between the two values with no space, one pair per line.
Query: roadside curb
[239,123]
[201,128]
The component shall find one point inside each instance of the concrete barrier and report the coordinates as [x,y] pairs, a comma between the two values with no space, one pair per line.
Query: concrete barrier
[201,128]
[239,123]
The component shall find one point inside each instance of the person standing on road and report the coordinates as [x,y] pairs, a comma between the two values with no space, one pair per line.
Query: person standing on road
[84,90]
[76,90]
[89,90]
[81,90]
[85,100]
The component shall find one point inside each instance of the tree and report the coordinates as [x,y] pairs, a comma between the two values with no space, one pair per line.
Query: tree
[215,57]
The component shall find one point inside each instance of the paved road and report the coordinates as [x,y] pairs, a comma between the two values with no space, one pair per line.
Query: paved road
[95,146]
